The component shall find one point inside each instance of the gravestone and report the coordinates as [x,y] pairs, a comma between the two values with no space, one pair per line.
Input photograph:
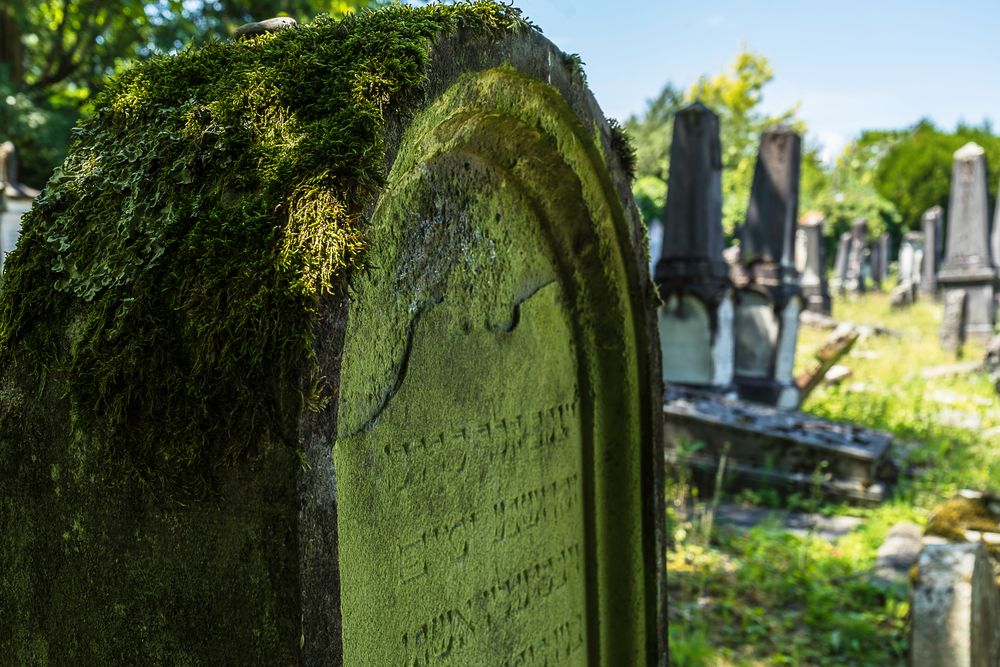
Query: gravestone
[880,260]
[768,299]
[696,318]
[857,258]
[911,259]
[810,262]
[10,174]
[385,397]
[968,265]
[933,226]
[840,264]
[955,608]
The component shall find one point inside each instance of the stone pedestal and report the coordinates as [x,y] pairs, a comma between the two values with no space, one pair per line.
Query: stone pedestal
[933,225]
[810,261]
[695,321]
[968,264]
[768,298]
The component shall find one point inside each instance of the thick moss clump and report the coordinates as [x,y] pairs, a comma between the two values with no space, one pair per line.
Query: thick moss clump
[213,201]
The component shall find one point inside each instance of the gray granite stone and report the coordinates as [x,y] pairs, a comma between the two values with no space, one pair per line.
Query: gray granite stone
[955,608]
[810,261]
[692,276]
[769,298]
[968,264]
[933,226]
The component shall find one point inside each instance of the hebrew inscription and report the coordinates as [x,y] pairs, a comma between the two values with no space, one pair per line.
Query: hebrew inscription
[460,477]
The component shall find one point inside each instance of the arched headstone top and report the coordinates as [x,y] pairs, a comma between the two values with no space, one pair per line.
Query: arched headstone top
[350,341]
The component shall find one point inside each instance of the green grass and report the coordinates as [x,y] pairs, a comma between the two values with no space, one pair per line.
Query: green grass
[766,597]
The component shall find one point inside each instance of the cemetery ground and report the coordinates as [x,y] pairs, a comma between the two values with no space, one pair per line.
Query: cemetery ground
[766,596]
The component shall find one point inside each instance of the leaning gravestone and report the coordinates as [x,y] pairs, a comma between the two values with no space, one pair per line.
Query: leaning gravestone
[768,300]
[696,318]
[348,359]
[968,265]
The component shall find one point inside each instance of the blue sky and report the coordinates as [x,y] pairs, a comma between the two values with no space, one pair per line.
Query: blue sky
[850,65]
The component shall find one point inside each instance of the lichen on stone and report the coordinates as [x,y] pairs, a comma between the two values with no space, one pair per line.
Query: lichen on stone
[169,273]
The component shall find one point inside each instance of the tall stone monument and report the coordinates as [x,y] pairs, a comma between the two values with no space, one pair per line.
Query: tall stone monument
[382,395]
[768,299]
[696,318]
[968,265]
[810,262]
[933,226]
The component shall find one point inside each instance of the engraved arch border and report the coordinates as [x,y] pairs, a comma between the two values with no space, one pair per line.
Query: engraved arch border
[611,347]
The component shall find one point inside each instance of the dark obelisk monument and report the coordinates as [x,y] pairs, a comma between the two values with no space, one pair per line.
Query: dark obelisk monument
[968,266]
[695,320]
[933,225]
[768,299]
[810,261]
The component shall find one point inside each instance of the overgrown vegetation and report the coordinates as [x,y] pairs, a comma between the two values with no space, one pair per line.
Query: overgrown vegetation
[202,214]
[766,597]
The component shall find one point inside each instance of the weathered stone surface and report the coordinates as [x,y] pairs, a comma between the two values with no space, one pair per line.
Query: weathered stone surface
[266,26]
[933,226]
[768,299]
[955,608]
[897,554]
[692,276]
[778,447]
[881,255]
[952,331]
[840,264]
[477,477]
[810,262]
[857,270]
[968,265]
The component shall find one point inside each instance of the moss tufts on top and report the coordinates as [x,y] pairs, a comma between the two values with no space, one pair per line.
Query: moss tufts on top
[171,269]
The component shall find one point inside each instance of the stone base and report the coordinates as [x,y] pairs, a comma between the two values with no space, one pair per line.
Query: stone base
[768,392]
[979,317]
[692,355]
[818,303]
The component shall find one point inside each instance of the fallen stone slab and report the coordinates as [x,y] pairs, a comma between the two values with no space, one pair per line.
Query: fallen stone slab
[784,448]
[897,554]
[803,524]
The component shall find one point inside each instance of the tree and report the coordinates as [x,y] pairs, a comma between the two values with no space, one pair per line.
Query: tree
[735,95]
[915,172]
[55,55]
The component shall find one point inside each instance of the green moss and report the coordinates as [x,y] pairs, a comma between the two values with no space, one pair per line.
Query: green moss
[203,213]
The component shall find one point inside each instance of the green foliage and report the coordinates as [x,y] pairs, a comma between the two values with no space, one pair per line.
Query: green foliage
[735,96]
[39,130]
[650,195]
[56,54]
[915,173]
[652,132]
[767,597]
[202,214]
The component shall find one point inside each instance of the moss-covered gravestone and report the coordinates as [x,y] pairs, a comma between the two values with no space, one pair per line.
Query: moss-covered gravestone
[335,346]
